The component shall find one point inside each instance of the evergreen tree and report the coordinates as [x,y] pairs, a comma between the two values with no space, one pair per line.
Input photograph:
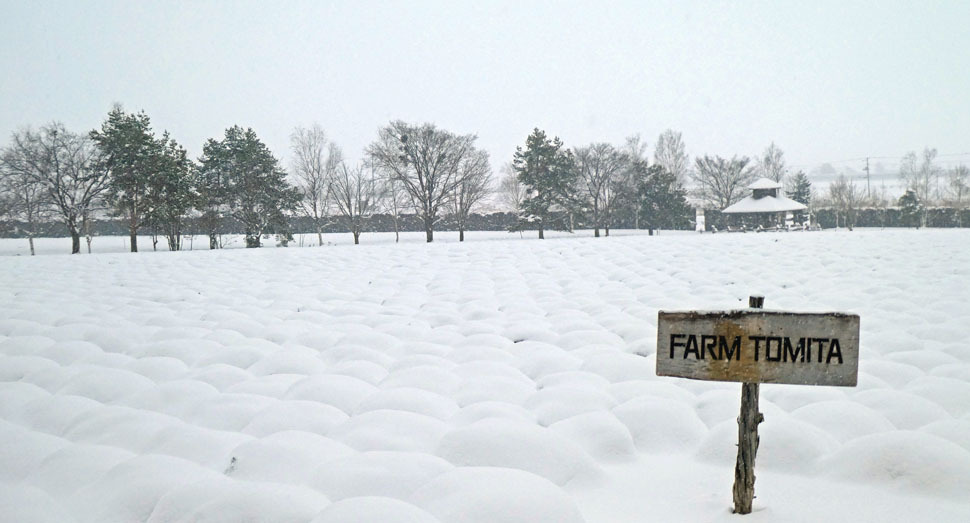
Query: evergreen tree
[172,192]
[663,201]
[129,152]
[911,209]
[212,195]
[243,178]
[801,192]
[548,174]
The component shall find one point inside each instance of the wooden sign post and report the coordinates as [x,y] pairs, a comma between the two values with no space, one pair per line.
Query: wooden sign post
[755,346]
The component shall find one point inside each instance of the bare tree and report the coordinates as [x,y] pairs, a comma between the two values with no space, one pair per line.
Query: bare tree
[475,184]
[628,189]
[771,165]
[68,166]
[25,194]
[671,154]
[958,186]
[315,162]
[845,198]
[600,166]
[354,191]
[511,192]
[426,161]
[721,182]
[6,203]
[920,174]
[393,199]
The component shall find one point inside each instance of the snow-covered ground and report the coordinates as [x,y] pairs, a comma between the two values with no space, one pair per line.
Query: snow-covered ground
[490,381]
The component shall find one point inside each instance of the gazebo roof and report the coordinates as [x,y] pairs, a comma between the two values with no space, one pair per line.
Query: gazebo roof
[765,183]
[764,204]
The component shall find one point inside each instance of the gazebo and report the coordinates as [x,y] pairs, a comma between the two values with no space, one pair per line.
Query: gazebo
[765,207]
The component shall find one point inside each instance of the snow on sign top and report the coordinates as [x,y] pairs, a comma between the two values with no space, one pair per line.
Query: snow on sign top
[759,346]
[764,183]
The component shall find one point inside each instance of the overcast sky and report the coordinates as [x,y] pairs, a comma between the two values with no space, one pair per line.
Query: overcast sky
[824,80]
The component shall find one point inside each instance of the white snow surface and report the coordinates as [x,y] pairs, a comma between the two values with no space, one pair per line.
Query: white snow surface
[504,379]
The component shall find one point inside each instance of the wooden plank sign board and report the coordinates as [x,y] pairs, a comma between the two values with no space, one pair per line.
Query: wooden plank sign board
[759,346]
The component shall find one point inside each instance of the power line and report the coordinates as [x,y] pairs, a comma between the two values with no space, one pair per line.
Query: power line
[866,158]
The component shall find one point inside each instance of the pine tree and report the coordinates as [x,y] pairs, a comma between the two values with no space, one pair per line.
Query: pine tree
[801,189]
[243,178]
[911,209]
[801,192]
[172,191]
[547,172]
[129,151]
[663,201]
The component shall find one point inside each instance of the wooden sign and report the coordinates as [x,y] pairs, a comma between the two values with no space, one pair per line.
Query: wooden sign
[759,346]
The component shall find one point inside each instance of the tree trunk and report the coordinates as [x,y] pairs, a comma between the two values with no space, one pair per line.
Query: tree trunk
[133,235]
[541,236]
[596,232]
[319,236]
[213,244]
[607,229]
[461,234]
[75,241]
[356,237]
[429,227]
[30,240]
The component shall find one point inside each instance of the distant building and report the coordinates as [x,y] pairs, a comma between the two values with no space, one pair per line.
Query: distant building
[764,207]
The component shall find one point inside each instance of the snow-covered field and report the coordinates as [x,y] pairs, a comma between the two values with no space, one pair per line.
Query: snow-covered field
[490,381]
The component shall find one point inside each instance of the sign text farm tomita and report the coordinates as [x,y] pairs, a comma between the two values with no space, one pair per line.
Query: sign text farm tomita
[755,346]
[758,346]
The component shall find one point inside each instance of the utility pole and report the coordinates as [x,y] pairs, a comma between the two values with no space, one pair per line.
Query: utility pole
[868,196]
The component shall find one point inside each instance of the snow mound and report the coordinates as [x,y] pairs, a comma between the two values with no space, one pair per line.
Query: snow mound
[309,416]
[130,490]
[26,504]
[558,403]
[600,434]
[65,471]
[495,495]
[843,420]
[390,430]
[226,500]
[492,409]
[369,509]
[786,444]
[661,425]
[419,401]
[905,410]
[502,443]
[283,457]
[477,381]
[494,388]
[378,473]
[905,459]
[343,392]
[954,430]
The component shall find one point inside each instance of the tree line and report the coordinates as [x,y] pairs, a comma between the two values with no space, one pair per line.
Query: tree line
[125,170]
